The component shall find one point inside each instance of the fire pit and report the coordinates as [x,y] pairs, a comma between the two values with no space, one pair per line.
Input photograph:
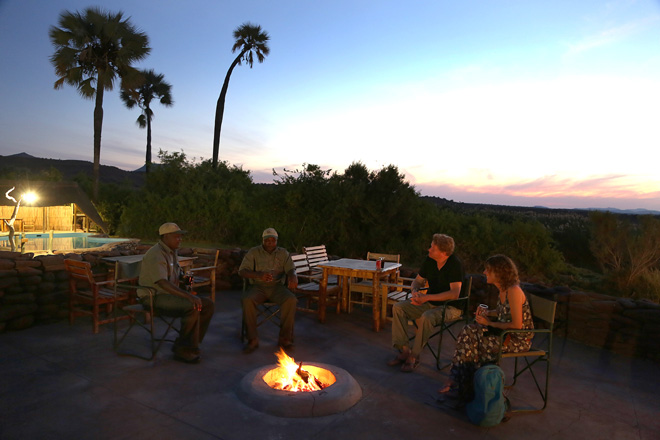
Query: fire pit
[296,390]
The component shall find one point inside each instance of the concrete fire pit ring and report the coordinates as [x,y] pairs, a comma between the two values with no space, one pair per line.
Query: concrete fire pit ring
[338,397]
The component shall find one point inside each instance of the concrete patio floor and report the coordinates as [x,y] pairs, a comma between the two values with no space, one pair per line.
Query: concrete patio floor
[61,381]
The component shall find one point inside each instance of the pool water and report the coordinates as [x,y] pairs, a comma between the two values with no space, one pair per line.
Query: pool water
[61,241]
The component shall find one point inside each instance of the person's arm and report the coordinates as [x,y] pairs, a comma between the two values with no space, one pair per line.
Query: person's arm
[245,271]
[292,279]
[453,293]
[170,288]
[516,299]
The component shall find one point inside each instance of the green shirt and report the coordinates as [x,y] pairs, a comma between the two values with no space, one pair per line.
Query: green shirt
[257,259]
[159,263]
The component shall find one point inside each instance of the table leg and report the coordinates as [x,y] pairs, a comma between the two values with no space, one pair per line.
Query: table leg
[344,293]
[323,291]
[376,302]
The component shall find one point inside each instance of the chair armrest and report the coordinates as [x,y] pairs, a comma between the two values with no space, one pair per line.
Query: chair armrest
[200,269]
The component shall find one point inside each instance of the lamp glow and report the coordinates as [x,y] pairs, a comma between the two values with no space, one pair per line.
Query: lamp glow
[29,197]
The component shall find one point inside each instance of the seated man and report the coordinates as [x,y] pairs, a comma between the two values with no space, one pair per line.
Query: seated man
[444,273]
[160,269]
[266,266]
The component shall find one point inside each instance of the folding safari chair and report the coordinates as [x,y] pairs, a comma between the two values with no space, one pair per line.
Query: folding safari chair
[142,315]
[543,311]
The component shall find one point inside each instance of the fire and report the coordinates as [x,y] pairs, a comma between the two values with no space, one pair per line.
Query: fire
[290,376]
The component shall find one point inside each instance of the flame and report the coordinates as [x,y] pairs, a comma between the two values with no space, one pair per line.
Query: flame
[289,379]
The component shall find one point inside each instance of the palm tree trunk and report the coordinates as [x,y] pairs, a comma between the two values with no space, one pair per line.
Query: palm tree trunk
[98,125]
[147,161]
[220,110]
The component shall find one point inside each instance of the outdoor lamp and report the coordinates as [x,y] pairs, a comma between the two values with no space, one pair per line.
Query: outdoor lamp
[29,197]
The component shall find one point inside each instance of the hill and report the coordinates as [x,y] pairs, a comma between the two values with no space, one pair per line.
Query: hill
[68,168]
[539,210]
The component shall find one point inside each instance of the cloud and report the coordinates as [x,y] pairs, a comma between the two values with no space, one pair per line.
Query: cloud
[611,35]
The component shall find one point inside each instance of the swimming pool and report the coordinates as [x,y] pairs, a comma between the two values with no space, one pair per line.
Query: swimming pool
[61,241]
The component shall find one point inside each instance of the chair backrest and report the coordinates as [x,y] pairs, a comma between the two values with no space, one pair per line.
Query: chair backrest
[394,258]
[543,309]
[81,270]
[206,257]
[301,264]
[466,287]
[315,254]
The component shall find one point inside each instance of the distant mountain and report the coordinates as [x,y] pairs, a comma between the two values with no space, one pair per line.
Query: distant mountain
[481,206]
[69,168]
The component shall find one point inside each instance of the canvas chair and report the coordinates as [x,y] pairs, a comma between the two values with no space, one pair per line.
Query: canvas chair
[543,311]
[462,303]
[364,288]
[140,315]
[204,272]
[88,294]
[308,289]
[266,312]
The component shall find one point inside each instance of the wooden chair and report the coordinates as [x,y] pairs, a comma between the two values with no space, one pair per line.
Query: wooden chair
[308,289]
[318,255]
[204,269]
[462,303]
[543,311]
[87,295]
[364,288]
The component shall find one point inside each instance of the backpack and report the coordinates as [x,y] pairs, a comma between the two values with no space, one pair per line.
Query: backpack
[489,404]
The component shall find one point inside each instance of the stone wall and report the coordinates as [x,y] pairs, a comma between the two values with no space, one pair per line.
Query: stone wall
[34,289]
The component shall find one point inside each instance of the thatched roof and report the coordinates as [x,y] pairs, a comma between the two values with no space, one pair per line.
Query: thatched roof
[52,194]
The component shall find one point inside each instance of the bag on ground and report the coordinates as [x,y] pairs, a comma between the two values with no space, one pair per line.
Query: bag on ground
[489,404]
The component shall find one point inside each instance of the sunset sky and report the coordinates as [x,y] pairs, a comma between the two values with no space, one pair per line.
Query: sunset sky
[552,103]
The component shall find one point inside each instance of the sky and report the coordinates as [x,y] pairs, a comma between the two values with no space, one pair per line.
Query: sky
[523,103]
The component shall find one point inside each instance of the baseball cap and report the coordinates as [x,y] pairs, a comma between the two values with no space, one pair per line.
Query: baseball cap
[270,232]
[170,228]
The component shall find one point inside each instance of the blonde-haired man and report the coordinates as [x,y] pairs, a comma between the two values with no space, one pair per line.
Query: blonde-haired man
[443,272]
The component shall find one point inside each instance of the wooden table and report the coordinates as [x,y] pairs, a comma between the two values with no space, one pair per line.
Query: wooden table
[347,268]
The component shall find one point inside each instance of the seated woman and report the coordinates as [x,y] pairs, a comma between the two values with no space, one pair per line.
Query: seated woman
[479,343]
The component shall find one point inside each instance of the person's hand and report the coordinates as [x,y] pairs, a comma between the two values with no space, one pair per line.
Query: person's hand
[197,302]
[418,298]
[292,283]
[480,319]
[267,276]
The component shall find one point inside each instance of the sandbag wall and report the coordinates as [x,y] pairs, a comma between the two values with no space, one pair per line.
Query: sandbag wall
[34,289]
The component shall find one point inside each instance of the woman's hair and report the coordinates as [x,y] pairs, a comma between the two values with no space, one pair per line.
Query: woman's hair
[505,270]
[444,243]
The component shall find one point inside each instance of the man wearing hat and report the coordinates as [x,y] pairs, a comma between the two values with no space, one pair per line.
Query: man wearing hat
[160,269]
[266,267]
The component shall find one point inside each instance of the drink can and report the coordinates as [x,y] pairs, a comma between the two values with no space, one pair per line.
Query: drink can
[378,264]
[482,310]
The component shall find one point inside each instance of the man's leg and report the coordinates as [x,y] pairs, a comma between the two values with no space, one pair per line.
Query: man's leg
[208,308]
[401,313]
[287,302]
[186,345]
[253,297]
[427,323]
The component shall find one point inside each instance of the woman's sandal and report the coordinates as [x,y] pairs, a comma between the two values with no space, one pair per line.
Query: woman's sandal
[410,364]
[449,389]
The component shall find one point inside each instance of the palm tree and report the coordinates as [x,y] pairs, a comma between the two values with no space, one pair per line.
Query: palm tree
[153,86]
[92,50]
[251,41]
